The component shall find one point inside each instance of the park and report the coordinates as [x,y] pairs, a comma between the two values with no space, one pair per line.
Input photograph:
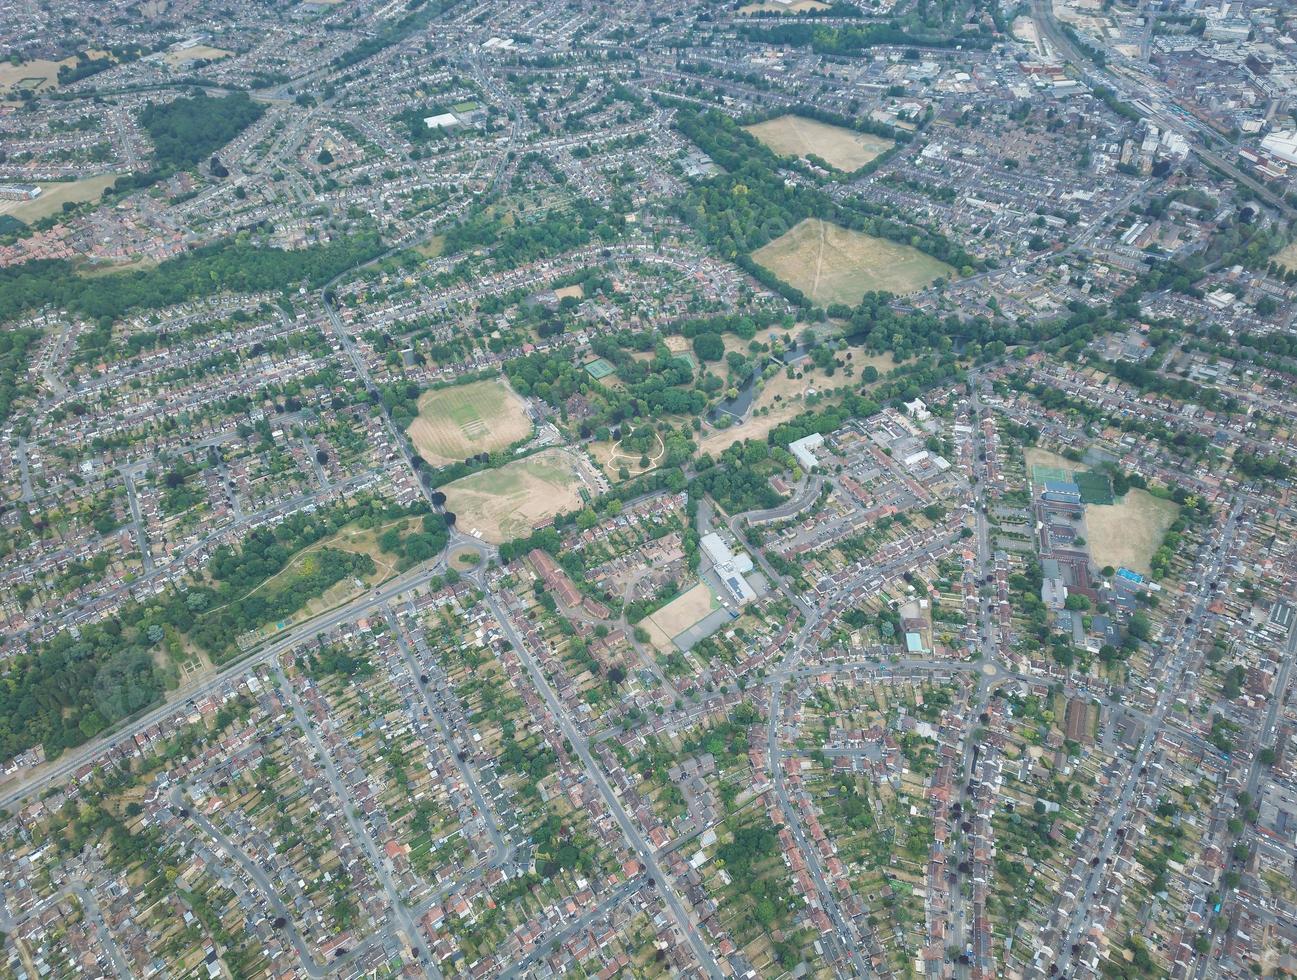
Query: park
[842,148]
[831,264]
[460,421]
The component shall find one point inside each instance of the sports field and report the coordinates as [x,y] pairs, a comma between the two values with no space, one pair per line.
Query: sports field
[679,614]
[195,52]
[1287,257]
[831,264]
[796,136]
[34,75]
[457,422]
[600,368]
[1043,465]
[54,195]
[1126,534]
[513,500]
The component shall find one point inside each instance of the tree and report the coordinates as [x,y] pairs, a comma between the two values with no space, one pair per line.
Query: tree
[1139,626]
[709,347]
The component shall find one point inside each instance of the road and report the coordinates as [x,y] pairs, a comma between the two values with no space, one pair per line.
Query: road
[1264,737]
[70,761]
[630,831]
[1181,640]
[401,913]
[811,617]
[96,916]
[845,932]
[1042,13]
[262,881]
[600,911]
[499,846]
[960,919]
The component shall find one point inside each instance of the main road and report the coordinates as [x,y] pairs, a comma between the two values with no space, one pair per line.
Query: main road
[629,829]
[1181,640]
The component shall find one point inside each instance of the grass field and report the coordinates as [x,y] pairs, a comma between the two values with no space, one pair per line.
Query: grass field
[1095,487]
[831,264]
[513,500]
[199,52]
[1125,534]
[54,195]
[611,459]
[97,270]
[796,136]
[457,422]
[679,614]
[1287,257]
[433,247]
[32,75]
[358,540]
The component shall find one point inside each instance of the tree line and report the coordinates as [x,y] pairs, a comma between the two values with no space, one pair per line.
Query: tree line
[228,265]
[74,686]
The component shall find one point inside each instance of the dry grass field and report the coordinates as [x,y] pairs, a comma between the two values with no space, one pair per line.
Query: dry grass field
[458,422]
[360,541]
[611,458]
[198,52]
[32,75]
[796,136]
[433,247]
[831,264]
[97,270]
[1287,257]
[1125,534]
[679,614]
[514,499]
[54,195]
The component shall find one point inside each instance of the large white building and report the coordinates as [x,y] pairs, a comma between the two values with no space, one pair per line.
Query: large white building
[1282,145]
[19,192]
[730,568]
[803,450]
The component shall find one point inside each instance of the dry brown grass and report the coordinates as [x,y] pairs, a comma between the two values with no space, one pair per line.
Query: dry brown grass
[679,614]
[786,398]
[796,136]
[33,75]
[463,420]
[199,52]
[514,499]
[1127,533]
[1287,257]
[831,264]
[54,195]
[795,7]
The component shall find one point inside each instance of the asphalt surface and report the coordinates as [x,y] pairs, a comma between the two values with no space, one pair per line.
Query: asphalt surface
[631,832]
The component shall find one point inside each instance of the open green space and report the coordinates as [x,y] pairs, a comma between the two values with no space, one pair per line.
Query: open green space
[842,148]
[831,264]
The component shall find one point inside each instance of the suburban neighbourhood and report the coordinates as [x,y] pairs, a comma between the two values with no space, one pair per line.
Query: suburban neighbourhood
[520,488]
